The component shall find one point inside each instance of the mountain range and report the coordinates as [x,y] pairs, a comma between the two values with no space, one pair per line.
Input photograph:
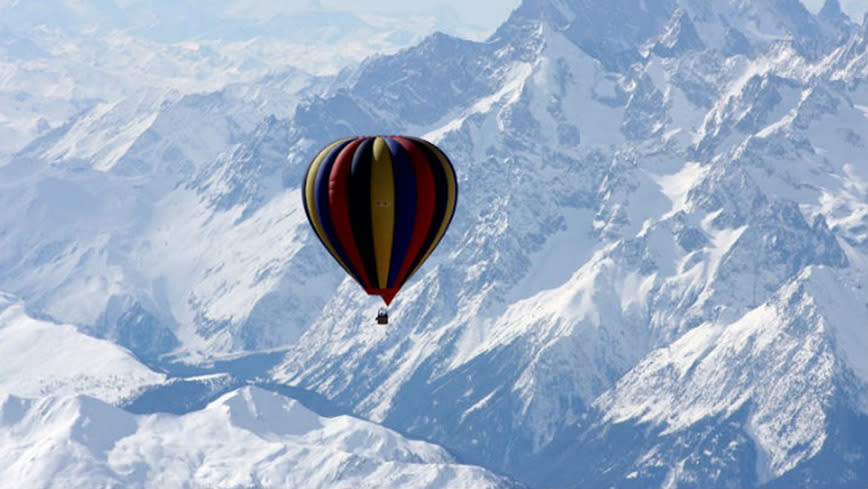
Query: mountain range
[654,278]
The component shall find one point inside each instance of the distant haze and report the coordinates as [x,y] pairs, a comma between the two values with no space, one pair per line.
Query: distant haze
[854,8]
[488,14]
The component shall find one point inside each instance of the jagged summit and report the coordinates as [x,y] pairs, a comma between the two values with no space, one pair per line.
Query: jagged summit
[831,12]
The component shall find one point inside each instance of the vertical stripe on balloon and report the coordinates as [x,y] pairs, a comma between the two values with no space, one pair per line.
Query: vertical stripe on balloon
[359,195]
[424,207]
[405,207]
[447,190]
[339,209]
[382,209]
[440,203]
[323,158]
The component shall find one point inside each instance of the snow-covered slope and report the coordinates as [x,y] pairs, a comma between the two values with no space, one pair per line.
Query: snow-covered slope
[654,276]
[60,426]
[781,386]
[687,185]
[59,58]
[246,438]
[42,358]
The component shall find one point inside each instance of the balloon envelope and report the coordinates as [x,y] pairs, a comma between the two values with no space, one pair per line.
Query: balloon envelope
[380,205]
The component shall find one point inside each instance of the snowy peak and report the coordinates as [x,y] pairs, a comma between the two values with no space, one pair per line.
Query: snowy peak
[68,436]
[104,134]
[266,412]
[831,12]
[622,21]
[609,32]
[678,36]
[148,132]
[41,357]
[247,437]
[682,384]
[759,25]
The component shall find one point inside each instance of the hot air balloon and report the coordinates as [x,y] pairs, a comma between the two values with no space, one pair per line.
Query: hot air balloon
[380,205]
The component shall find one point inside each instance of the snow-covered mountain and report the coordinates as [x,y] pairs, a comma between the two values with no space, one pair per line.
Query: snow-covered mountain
[60,426]
[59,58]
[655,275]
[247,438]
[41,358]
